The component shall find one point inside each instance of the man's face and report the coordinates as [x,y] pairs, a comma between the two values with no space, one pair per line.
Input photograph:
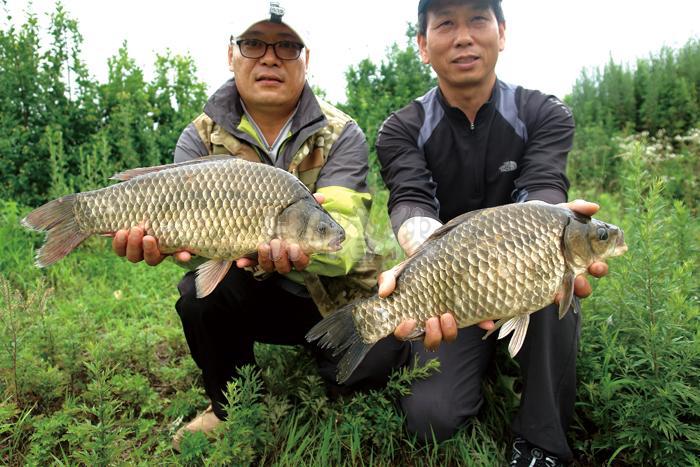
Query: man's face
[268,81]
[462,43]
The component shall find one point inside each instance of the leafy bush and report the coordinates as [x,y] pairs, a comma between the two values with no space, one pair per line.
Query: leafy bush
[661,92]
[59,124]
[641,385]
[98,371]
[660,96]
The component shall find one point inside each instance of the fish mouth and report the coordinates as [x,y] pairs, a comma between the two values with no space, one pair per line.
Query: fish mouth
[336,243]
[620,245]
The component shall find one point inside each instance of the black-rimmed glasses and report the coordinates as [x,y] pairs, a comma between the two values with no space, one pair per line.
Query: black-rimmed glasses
[255,48]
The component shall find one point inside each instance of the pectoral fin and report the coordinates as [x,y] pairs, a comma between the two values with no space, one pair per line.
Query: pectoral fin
[518,326]
[567,288]
[318,293]
[209,275]
[416,334]
[497,326]
[576,302]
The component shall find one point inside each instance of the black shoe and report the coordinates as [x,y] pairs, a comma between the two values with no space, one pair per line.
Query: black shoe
[529,455]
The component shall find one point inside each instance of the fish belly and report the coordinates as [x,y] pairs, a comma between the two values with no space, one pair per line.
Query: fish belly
[219,210]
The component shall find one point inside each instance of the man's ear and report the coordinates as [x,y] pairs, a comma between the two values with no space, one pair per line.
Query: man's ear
[501,36]
[306,66]
[230,57]
[423,48]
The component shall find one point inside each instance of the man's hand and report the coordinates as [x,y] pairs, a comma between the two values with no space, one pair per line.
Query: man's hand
[278,256]
[445,327]
[136,247]
[436,329]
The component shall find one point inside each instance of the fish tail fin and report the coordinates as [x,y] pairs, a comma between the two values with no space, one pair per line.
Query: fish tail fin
[356,352]
[337,331]
[57,218]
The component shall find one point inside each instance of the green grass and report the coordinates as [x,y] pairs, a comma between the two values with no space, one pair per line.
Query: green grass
[104,376]
[94,368]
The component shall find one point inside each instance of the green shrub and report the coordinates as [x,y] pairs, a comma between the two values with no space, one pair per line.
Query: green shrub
[14,431]
[641,354]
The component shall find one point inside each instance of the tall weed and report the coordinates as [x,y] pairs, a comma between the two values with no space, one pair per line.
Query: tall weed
[18,314]
[641,390]
[14,431]
[244,434]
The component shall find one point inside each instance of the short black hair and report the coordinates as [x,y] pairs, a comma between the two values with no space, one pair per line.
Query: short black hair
[424,6]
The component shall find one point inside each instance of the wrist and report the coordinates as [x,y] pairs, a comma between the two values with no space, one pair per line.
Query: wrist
[415,231]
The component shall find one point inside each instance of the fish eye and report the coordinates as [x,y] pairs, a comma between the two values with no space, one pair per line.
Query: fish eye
[602,234]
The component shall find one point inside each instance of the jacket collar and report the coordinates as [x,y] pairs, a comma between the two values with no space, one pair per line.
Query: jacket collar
[454,112]
[224,107]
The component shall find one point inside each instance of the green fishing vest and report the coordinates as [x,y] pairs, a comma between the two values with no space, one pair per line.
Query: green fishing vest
[328,293]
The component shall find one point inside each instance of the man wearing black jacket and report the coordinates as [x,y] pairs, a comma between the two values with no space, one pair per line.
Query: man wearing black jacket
[476,142]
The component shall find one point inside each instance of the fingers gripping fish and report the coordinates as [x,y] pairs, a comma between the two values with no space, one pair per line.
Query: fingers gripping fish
[500,263]
[218,207]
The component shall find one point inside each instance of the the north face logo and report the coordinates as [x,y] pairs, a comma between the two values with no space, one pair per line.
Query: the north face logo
[508,166]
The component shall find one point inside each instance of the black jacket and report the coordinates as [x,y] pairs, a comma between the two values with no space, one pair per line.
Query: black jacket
[438,164]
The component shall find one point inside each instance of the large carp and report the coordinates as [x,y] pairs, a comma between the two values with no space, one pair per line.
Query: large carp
[218,207]
[500,263]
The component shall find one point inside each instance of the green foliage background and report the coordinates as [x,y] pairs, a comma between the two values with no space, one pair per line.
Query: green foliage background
[94,369]
[52,110]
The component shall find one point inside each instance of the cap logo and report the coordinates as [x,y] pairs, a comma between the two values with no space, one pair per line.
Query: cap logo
[276,12]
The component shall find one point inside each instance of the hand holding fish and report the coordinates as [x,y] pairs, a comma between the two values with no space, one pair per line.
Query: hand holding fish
[445,327]
[502,263]
[436,329]
[273,256]
[278,256]
[136,247]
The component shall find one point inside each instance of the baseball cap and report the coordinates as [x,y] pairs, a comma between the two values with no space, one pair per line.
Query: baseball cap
[274,12]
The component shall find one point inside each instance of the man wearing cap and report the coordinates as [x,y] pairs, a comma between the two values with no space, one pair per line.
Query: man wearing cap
[268,113]
[475,142]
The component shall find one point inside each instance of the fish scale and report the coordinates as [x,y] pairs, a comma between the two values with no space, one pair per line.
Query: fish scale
[209,218]
[218,207]
[500,263]
[509,263]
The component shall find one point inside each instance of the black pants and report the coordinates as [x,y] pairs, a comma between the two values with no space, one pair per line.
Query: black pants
[446,400]
[222,328]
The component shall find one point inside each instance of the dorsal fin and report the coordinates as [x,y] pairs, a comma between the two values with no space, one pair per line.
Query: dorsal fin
[136,172]
[439,232]
[444,230]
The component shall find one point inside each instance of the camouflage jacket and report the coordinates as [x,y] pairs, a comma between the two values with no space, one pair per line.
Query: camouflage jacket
[328,152]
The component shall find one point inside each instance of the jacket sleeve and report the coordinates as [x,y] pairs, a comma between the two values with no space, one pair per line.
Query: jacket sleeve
[343,181]
[189,146]
[412,191]
[550,138]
